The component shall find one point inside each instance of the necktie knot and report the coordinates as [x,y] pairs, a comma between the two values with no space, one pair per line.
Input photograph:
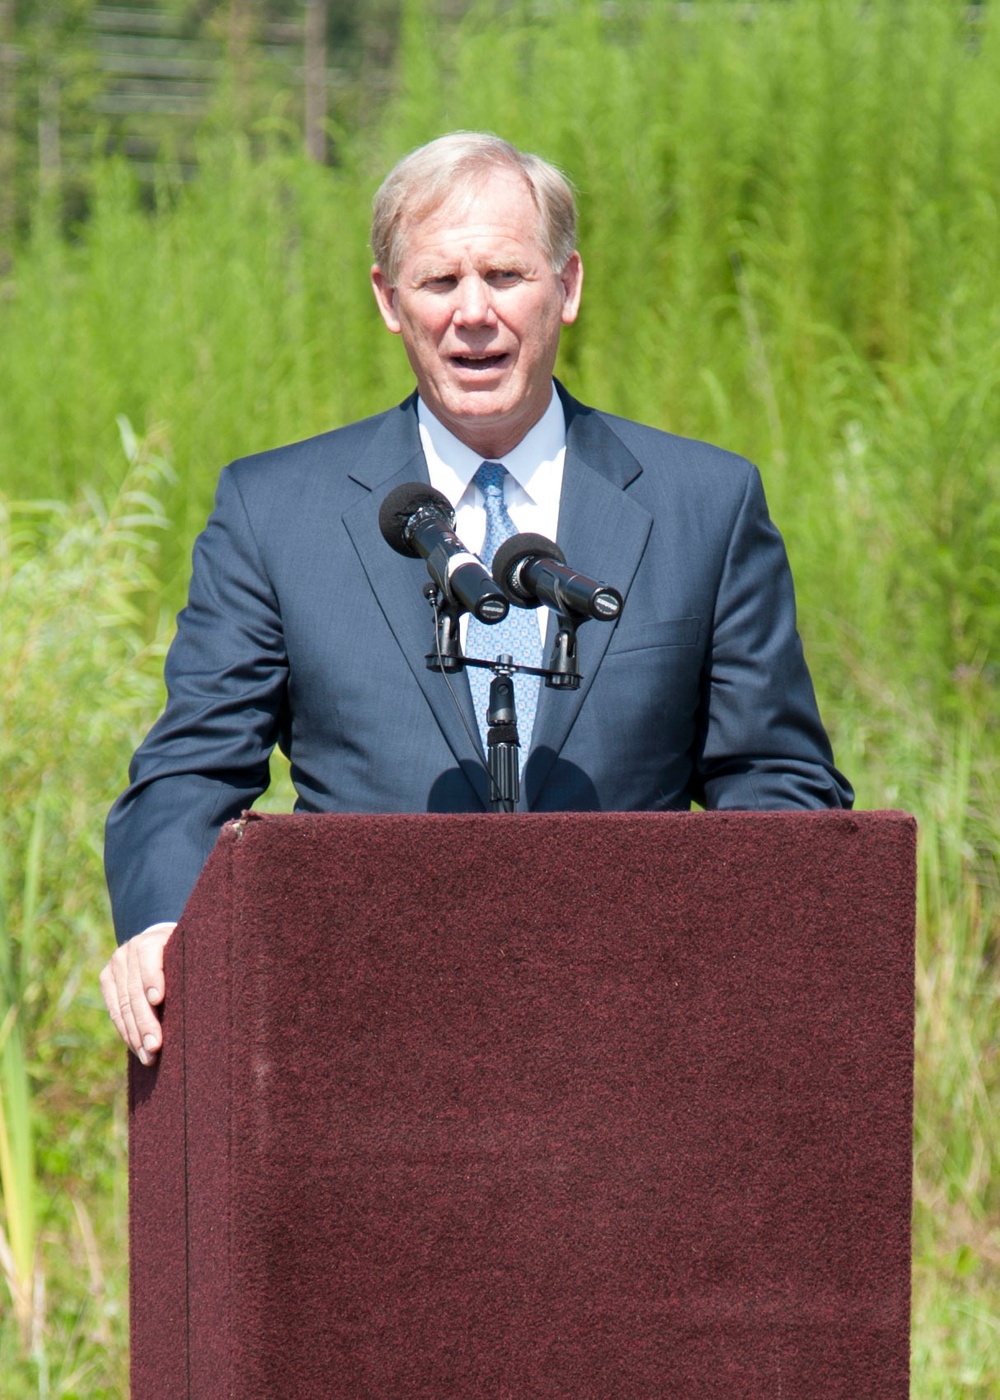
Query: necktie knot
[490,476]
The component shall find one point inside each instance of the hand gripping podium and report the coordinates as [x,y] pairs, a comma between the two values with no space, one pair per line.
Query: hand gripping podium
[594,1106]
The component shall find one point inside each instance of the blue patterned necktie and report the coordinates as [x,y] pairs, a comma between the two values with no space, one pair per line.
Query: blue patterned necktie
[518,634]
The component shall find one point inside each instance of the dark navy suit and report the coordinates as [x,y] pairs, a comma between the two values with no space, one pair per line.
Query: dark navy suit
[304,628]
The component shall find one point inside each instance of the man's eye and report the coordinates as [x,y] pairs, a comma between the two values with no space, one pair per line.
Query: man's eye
[439,284]
[505,277]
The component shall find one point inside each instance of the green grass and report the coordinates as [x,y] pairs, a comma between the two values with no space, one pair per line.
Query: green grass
[790,221]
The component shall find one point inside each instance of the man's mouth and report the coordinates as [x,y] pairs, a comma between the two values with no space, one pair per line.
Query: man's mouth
[478,362]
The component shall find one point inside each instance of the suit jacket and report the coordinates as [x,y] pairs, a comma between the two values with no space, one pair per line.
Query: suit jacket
[304,628]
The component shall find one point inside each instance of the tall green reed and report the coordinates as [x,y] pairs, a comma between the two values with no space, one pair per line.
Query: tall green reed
[19,1242]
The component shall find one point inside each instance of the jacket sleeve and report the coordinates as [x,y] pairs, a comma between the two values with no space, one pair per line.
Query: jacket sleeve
[762,744]
[206,758]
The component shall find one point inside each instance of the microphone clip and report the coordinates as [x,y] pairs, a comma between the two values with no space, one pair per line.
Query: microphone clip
[447,653]
[560,674]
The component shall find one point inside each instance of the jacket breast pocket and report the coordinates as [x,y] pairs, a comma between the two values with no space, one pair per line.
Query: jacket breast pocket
[678,632]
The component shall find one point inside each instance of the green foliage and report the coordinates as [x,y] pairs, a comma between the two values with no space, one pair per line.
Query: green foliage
[789,219]
[228,316]
[77,595]
[53,76]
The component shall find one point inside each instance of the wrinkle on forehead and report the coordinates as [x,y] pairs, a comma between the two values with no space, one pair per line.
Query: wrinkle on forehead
[459,205]
[465,193]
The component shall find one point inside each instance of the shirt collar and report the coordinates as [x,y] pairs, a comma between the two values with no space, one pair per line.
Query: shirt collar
[452,464]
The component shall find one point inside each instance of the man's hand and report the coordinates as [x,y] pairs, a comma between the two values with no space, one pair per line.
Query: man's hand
[132,983]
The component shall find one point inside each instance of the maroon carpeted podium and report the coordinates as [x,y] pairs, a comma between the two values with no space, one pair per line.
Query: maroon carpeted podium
[601,1106]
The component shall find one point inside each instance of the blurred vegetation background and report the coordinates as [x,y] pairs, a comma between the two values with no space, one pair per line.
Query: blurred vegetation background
[790,219]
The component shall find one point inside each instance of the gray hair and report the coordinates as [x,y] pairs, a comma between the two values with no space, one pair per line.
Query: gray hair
[460,163]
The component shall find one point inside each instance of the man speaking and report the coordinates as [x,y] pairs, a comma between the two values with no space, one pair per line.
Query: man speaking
[304,629]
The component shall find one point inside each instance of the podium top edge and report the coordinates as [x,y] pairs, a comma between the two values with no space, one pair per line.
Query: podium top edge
[847,820]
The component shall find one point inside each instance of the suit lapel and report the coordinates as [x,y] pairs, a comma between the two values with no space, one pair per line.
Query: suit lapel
[393,457]
[603,533]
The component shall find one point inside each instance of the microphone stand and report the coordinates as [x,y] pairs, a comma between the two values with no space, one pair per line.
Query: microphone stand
[502,742]
[503,745]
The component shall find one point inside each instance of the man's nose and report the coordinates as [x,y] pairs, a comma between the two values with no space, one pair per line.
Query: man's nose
[474,305]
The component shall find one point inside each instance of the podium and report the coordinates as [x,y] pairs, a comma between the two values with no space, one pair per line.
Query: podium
[601,1106]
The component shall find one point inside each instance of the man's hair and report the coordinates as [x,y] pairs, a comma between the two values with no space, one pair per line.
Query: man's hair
[461,163]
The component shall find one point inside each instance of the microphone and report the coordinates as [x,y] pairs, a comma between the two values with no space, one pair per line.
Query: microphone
[532,570]
[418,522]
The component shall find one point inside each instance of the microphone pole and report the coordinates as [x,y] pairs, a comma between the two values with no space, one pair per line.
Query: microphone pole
[502,744]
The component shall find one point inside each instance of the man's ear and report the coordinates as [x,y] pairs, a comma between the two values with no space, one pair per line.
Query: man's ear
[385,299]
[572,281]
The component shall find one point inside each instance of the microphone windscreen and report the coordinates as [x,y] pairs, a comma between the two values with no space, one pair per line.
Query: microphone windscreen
[514,552]
[402,504]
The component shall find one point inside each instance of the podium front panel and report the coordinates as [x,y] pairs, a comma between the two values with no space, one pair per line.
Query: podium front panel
[532,1106]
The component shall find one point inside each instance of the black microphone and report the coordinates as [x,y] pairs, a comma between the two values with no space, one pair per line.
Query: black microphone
[532,570]
[418,522]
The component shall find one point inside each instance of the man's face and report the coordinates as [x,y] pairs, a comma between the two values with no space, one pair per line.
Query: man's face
[480,312]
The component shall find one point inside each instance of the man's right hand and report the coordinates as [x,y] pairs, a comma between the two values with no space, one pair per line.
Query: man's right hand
[132,983]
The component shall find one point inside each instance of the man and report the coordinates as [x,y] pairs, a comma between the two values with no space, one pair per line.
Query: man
[303,628]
